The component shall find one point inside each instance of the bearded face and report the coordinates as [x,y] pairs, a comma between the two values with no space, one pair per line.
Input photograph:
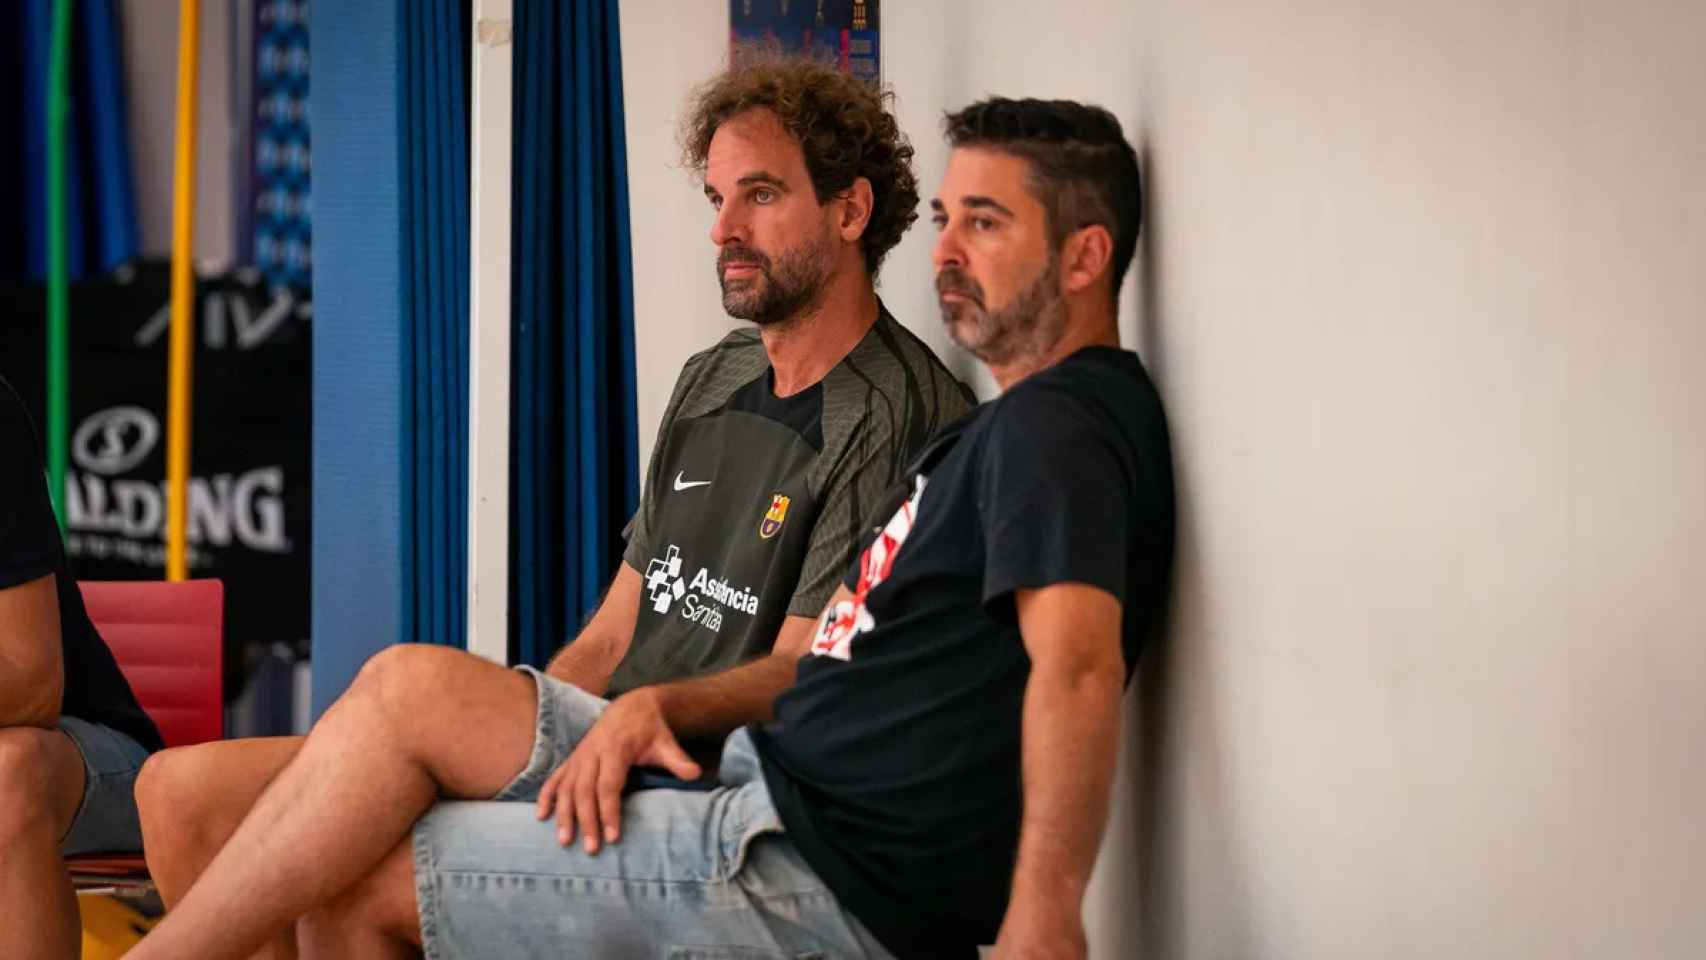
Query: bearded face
[767,290]
[1031,321]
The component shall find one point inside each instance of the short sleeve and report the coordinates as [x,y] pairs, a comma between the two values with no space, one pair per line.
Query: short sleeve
[1053,499]
[639,529]
[28,534]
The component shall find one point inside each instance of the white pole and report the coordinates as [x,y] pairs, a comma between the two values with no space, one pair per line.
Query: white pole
[488,334]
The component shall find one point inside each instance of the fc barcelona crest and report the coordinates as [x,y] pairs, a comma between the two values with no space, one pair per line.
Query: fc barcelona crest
[773,518]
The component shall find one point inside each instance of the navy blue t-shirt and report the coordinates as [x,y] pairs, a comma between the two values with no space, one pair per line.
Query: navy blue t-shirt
[894,760]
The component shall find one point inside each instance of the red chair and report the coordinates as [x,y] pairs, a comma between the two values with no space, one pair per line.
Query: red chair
[168,639]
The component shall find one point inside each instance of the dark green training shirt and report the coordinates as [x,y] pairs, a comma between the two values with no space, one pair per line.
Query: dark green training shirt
[754,504]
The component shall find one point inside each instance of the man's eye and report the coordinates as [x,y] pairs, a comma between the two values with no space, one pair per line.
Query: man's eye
[763,195]
[982,223]
[940,221]
[716,202]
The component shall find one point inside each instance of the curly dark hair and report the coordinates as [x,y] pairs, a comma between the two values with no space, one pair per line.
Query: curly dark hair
[845,126]
[1082,169]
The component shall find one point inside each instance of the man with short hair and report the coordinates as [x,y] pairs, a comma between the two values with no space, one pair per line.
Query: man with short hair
[938,775]
[773,446]
[72,735]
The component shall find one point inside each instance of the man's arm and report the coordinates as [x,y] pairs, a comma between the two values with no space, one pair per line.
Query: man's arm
[591,660]
[640,729]
[1070,737]
[715,704]
[32,666]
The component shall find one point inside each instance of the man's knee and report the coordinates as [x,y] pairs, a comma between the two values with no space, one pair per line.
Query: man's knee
[31,786]
[176,794]
[161,786]
[406,675]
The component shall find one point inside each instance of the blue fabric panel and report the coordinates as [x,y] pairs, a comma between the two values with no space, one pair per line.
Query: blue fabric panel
[433,120]
[577,284]
[532,517]
[102,108]
[575,479]
[37,30]
[101,228]
[357,536]
[624,364]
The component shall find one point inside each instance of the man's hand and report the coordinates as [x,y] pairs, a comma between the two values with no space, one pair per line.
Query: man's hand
[587,789]
[635,730]
[1040,934]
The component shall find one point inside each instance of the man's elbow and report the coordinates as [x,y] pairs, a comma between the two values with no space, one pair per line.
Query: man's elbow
[1099,677]
[33,704]
[1105,679]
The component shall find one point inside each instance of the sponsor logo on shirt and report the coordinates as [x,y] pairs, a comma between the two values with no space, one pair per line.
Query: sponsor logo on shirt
[772,522]
[703,598]
[846,620]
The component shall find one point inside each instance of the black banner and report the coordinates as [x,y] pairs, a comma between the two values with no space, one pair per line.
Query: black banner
[250,440]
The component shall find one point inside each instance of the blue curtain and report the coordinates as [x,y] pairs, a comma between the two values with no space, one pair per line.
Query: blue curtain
[100,195]
[574,477]
[433,60]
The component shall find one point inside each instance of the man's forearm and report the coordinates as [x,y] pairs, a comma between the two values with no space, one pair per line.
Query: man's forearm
[716,704]
[1070,742]
[591,660]
[588,663]
[32,672]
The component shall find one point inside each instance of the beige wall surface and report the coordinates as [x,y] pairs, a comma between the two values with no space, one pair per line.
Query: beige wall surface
[667,48]
[1424,283]
[151,88]
[1422,289]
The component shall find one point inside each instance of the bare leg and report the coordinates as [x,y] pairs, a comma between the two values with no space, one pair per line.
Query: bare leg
[41,787]
[375,918]
[192,799]
[419,721]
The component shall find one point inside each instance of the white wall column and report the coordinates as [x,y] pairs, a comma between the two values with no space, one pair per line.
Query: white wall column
[488,335]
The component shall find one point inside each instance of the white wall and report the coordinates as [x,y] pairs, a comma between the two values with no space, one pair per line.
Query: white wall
[667,48]
[151,90]
[1422,290]
[1425,285]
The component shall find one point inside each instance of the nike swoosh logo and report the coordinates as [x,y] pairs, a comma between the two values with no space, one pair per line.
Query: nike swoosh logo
[681,484]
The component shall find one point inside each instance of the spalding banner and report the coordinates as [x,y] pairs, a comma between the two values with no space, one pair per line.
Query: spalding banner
[248,495]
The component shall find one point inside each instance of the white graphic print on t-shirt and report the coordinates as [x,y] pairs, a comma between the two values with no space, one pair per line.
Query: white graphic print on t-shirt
[845,620]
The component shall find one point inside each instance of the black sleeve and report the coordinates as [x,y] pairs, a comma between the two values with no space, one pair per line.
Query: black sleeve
[1053,500]
[28,534]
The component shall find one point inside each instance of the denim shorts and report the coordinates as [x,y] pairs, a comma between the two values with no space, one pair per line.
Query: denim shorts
[106,819]
[697,873]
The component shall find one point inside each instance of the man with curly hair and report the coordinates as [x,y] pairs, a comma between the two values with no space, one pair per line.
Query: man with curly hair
[775,445]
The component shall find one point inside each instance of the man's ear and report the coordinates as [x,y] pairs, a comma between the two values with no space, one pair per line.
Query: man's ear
[856,203]
[1085,258]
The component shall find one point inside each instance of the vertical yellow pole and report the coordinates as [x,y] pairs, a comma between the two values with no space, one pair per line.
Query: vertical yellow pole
[183,295]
